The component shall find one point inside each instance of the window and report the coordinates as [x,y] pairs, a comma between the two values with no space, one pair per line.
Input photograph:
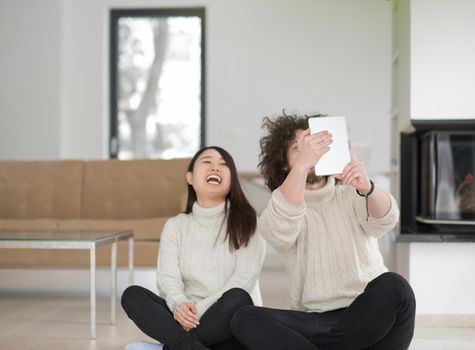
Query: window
[157,83]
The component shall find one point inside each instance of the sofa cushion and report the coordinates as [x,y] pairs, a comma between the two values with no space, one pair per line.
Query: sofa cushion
[144,229]
[25,224]
[40,189]
[133,189]
[145,255]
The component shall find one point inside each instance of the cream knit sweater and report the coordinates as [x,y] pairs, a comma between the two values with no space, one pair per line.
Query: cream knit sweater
[195,263]
[331,249]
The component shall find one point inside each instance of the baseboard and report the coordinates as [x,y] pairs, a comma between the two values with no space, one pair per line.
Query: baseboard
[446,321]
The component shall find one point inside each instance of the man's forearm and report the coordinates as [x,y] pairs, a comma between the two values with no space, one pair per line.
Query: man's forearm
[293,187]
[379,203]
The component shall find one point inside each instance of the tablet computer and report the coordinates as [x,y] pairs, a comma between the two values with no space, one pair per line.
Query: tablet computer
[335,160]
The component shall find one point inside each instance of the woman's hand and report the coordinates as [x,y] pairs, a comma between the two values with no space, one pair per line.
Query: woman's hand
[355,173]
[185,314]
[312,147]
[186,329]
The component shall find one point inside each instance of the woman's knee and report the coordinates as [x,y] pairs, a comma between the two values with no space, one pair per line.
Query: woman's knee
[130,296]
[239,295]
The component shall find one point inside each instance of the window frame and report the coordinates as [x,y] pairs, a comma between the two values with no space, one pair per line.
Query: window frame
[115,15]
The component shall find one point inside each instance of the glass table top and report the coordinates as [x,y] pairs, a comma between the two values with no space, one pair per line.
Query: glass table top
[58,235]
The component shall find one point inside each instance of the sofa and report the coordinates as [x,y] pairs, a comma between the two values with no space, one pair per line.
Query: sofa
[99,194]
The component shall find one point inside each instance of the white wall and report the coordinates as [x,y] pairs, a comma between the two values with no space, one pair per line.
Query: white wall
[262,56]
[305,56]
[434,271]
[29,79]
[442,59]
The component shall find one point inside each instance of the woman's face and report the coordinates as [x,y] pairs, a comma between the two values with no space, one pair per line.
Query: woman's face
[211,176]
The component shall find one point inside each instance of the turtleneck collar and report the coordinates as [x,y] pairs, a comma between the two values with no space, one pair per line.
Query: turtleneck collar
[208,213]
[322,194]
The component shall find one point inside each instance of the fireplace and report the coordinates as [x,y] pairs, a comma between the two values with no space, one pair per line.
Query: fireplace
[438,178]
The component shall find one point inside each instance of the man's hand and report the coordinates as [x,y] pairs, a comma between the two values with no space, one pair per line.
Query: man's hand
[185,314]
[302,155]
[312,147]
[355,173]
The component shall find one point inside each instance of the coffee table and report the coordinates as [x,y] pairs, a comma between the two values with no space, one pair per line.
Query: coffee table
[77,239]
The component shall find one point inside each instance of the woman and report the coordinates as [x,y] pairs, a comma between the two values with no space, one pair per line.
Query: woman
[209,261]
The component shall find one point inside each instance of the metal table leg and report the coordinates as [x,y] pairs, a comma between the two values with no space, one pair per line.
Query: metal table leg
[114,280]
[93,290]
[131,261]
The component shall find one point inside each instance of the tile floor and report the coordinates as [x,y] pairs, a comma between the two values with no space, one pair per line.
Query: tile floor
[49,309]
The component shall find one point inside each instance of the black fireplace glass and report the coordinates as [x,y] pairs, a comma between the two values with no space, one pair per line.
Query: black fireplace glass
[447,176]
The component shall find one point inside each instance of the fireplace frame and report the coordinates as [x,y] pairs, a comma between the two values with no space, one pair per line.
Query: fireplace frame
[410,168]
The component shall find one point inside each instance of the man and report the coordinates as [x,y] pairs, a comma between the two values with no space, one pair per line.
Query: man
[342,295]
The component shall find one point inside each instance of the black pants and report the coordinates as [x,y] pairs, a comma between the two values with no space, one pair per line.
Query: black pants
[151,314]
[381,318]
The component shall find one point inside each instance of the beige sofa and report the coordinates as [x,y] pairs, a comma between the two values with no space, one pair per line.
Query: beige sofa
[105,194]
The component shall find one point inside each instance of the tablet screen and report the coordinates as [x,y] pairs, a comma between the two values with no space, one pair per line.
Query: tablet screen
[335,160]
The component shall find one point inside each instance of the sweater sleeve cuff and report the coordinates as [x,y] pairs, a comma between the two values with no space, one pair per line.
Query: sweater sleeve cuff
[175,301]
[286,207]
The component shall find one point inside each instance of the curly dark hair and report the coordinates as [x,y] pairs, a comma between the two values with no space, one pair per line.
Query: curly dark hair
[281,130]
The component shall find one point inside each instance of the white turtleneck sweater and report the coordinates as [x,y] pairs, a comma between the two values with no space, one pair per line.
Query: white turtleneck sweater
[330,246]
[195,263]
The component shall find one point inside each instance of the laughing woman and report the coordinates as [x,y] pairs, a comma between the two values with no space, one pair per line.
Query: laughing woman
[210,258]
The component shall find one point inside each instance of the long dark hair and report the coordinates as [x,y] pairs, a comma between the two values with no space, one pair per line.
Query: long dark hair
[241,216]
